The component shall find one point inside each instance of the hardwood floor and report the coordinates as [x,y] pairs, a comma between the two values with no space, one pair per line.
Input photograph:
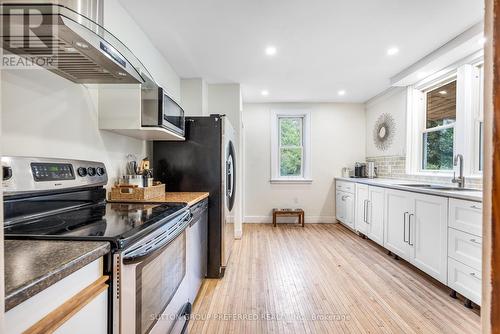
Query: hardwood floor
[323,279]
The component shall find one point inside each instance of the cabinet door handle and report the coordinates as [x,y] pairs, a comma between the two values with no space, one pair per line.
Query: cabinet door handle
[475,241]
[475,207]
[367,211]
[364,210]
[409,229]
[475,276]
[404,226]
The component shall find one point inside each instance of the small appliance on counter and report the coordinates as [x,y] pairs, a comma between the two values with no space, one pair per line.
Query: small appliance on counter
[360,170]
[371,170]
[346,172]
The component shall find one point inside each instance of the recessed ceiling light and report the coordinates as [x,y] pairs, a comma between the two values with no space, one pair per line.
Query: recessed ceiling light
[392,51]
[341,92]
[482,41]
[264,93]
[443,92]
[271,50]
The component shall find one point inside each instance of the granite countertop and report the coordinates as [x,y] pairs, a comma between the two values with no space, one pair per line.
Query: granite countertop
[33,265]
[476,196]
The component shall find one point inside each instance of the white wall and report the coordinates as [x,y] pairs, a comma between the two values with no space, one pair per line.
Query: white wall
[337,140]
[118,21]
[392,102]
[46,115]
[225,99]
[194,97]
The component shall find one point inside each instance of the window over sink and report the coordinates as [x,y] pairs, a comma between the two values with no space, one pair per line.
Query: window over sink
[445,119]
[290,136]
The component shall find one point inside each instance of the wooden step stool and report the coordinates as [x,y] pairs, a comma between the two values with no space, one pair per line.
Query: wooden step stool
[288,213]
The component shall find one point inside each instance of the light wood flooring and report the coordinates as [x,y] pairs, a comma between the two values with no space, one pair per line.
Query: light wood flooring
[323,279]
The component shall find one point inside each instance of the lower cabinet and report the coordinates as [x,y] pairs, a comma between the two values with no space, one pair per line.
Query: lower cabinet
[441,236]
[345,208]
[465,280]
[76,304]
[416,230]
[465,248]
[370,212]
[375,215]
[361,224]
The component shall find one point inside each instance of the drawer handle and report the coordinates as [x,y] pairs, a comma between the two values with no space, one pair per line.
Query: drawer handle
[475,207]
[474,275]
[475,241]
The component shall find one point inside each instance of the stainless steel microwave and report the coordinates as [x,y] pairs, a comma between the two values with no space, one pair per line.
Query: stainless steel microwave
[159,110]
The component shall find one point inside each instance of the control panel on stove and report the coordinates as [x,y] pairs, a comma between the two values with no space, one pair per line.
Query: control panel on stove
[52,171]
[28,174]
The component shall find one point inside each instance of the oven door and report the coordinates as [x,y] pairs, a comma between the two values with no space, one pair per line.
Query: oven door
[171,114]
[152,288]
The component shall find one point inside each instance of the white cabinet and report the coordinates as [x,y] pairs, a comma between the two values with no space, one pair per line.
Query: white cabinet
[340,206]
[416,230]
[465,248]
[345,203]
[375,214]
[466,216]
[361,224]
[427,226]
[465,280]
[397,208]
[77,303]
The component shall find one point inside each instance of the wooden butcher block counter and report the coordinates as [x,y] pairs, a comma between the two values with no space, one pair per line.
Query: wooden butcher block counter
[190,198]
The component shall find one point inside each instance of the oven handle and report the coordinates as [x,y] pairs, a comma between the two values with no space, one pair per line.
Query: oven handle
[140,254]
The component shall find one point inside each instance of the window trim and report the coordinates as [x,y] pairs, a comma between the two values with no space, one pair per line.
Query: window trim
[306,146]
[466,124]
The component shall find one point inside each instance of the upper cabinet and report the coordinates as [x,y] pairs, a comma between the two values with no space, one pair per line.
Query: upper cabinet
[134,111]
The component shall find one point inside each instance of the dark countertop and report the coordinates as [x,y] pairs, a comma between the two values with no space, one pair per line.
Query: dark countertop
[33,265]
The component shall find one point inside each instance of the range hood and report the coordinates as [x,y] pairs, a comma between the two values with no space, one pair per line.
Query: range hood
[68,38]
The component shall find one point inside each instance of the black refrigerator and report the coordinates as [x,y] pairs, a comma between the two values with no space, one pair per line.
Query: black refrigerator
[205,161]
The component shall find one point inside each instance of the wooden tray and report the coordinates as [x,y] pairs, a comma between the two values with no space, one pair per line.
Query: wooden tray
[126,193]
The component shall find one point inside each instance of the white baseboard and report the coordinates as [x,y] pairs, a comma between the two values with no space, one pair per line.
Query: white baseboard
[307,219]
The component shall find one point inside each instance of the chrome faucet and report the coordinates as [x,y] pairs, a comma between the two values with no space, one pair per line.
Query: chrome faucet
[460,180]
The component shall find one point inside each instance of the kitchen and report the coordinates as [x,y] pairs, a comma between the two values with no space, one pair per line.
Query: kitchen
[142,171]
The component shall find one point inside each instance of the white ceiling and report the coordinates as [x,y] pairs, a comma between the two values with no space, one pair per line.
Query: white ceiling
[323,46]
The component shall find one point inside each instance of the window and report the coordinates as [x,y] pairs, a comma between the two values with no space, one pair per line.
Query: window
[445,118]
[438,135]
[290,146]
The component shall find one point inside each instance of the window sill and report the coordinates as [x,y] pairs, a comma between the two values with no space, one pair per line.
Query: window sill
[431,174]
[291,181]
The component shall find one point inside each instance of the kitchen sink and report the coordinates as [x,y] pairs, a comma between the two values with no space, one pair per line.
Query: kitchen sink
[438,187]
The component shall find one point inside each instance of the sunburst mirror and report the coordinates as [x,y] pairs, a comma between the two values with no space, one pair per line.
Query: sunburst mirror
[383,131]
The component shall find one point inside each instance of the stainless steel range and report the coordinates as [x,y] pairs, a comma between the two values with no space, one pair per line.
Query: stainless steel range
[65,199]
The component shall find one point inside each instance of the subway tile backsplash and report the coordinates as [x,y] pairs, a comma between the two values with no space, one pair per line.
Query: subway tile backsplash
[394,167]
